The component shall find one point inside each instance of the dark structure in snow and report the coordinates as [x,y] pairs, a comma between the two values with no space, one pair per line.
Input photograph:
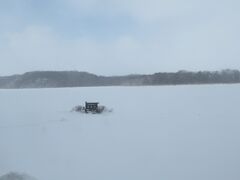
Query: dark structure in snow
[90,107]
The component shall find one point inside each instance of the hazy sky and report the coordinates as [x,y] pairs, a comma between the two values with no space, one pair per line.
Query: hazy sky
[119,36]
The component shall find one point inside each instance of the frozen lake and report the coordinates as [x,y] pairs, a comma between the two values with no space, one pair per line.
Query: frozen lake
[153,133]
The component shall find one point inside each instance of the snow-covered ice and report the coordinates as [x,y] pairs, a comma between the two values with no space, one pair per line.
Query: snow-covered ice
[153,133]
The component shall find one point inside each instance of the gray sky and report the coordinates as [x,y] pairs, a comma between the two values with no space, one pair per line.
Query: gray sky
[113,37]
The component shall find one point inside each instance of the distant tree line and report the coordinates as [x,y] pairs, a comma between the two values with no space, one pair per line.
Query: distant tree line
[44,79]
[201,77]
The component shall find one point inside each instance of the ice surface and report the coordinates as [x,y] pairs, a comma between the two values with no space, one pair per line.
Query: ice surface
[154,133]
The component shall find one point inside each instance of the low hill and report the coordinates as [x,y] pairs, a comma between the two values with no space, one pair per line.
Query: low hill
[51,79]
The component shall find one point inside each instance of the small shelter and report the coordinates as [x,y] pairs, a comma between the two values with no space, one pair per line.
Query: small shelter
[91,106]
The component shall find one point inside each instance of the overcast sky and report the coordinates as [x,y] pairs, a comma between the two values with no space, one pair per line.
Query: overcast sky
[113,37]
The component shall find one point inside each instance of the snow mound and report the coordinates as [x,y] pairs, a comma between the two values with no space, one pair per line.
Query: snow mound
[16,176]
[101,109]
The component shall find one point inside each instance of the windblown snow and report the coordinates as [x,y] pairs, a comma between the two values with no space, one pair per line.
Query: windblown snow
[153,133]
